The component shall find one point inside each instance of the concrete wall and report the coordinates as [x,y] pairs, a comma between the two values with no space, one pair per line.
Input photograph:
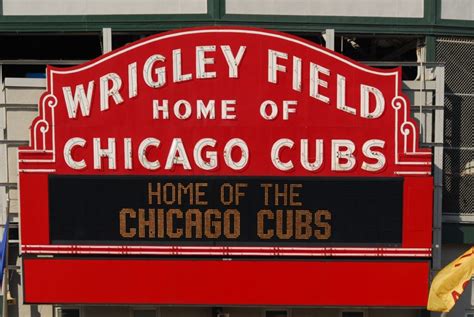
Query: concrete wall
[457,9]
[18,109]
[353,8]
[99,7]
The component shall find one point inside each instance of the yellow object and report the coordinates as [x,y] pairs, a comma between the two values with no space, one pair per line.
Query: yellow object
[450,282]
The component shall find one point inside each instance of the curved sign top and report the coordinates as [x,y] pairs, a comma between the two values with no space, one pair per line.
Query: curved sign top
[220,143]
[224,101]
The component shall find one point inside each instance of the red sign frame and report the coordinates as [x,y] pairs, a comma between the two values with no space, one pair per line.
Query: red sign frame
[282,106]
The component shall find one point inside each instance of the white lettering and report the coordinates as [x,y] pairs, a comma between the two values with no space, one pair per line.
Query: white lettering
[202,61]
[276,148]
[177,155]
[376,155]
[315,82]
[339,155]
[99,153]
[211,156]
[264,112]
[296,73]
[227,111]
[80,99]
[364,102]
[178,75]
[106,91]
[160,72]
[177,109]
[208,111]
[68,148]
[132,80]
[127,153]
[273,66]
[163,108]
[233,143]
[233,61]
[286,108]
[142,152]
[341,95]
[304,155]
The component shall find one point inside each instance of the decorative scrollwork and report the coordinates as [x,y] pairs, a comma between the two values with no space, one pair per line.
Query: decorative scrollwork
[43,127]
[398,102]
[406,135]
[50,100]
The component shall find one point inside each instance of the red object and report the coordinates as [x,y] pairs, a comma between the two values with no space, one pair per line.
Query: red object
[313,119]
[128,114]
[217,282]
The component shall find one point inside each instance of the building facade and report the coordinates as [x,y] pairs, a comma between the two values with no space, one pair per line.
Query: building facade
[432,40]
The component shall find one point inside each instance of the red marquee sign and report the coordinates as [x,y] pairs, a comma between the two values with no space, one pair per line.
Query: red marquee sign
[234,143]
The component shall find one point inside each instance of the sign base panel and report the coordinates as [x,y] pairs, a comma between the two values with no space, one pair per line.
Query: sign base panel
[226,282]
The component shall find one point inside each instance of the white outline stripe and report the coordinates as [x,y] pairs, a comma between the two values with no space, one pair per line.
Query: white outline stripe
[34,151]
[240,31]
[226,251]
[412,173]
[233,253]
[63,246]
[37,170]
[35,161]
[328,53]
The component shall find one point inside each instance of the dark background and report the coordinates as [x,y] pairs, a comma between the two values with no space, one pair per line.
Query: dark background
[365,211]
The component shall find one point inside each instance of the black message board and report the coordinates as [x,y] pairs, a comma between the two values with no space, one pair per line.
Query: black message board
[233,211]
